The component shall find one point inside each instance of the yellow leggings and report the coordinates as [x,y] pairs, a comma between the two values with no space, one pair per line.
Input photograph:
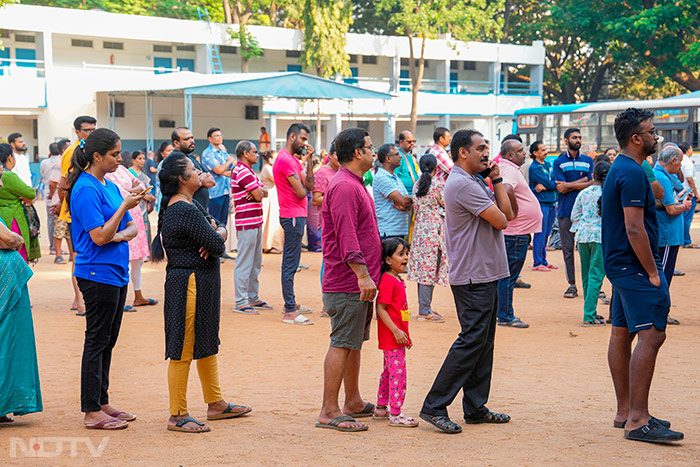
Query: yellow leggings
[179,370]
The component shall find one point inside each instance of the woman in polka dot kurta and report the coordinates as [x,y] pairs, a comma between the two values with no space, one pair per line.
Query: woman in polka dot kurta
[194,242]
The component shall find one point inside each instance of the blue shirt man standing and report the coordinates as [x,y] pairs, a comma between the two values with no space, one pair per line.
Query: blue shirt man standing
[573,172]
[219,163]
[391,200]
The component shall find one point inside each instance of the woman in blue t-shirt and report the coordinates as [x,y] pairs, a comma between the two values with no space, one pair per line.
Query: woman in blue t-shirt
[101,229]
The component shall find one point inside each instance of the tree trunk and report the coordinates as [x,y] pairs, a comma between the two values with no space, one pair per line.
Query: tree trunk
[272,13]
[416,79]
[244,64]
[506,20]
[227,12]
[687,80]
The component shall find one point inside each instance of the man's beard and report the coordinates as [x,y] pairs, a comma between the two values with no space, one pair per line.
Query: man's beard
[574,146]
[21,150]
[187,151]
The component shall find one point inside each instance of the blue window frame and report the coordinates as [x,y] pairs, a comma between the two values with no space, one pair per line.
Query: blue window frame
[185,64]
[404,81]
[25,54]
[454,85]
[162,62]
[353,73]
[296,68]
[5,53]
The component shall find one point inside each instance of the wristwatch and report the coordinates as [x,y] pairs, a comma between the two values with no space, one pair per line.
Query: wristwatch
[497,180]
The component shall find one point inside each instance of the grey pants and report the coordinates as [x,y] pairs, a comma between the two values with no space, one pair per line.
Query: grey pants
[567,248]
[49,223]
[425,299]
[248,265]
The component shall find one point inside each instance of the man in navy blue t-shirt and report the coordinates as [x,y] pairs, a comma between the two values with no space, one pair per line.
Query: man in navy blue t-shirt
[641,300]
[573,172]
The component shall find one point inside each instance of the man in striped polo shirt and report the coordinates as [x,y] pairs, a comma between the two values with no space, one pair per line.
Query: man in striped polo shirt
[248,192]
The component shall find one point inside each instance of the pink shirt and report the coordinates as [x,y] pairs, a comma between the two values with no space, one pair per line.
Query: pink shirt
[322,178]
[529,219]
[290,204]
[444,161]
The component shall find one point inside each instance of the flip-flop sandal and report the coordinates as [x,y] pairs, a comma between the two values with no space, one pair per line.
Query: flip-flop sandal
[80,314]
[368,411]
[105,424]
[334,424]
[489,417]
[151,302]
[246,310]
[119,415]
[442,423]
[300,320]
[227,413]
[402,421]
[179,426]
[129,309]
[262,306]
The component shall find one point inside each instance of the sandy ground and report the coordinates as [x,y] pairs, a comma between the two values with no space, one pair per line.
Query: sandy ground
[551,378]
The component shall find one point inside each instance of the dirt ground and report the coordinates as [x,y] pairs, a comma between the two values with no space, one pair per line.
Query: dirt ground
[551,378]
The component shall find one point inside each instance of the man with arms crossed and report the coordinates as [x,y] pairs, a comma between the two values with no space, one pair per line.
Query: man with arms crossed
[641,299]
[475,219]
[352,252]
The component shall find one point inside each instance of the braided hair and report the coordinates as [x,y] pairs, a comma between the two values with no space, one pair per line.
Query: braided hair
[100,141]
[427,164]
[174,167]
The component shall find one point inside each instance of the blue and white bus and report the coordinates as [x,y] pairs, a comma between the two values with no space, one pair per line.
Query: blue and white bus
[677,119]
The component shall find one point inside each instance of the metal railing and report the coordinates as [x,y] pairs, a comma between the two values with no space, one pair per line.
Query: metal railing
[18,67]
[441,86]
[148,69]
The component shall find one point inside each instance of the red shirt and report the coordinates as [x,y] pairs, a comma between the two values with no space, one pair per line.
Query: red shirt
[350,233]
[290,204]
[392,293]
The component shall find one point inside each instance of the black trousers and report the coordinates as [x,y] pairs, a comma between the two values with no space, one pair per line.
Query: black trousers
[469,362]
[104,307]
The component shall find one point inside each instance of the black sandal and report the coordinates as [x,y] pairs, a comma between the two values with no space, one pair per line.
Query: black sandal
[442,423]
[489,417]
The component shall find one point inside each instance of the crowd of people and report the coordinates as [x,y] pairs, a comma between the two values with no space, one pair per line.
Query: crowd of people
[452,216]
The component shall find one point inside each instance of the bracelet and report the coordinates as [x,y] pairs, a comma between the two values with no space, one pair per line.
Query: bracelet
[362,276]
[496,180]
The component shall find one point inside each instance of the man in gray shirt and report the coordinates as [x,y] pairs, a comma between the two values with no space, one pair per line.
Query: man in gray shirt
[474,220]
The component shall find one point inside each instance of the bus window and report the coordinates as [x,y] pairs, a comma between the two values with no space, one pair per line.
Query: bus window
[586,122]
[608,139]
[670,116]
[550,134]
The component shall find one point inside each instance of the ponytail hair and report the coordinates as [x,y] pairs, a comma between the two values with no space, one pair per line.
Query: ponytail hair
[100,141]
[427,164]
[174,167]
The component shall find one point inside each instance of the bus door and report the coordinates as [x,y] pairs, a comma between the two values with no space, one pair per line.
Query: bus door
[528,128]
[673,133]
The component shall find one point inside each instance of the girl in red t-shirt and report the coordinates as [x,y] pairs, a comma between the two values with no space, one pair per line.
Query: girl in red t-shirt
[392,327]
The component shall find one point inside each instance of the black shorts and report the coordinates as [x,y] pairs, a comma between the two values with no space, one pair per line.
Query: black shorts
[638,305]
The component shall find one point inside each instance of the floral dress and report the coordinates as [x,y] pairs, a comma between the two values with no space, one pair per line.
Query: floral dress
[427,262]
[125,180]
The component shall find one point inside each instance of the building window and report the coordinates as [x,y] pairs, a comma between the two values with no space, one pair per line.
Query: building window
[80,43]
[454,65]
[185,64]
[353,58]
[113,45]
[5,34]
[185,48]
[162,48]
[228,49]
[405,61]
[119,110]
[470,66]
[24,38]
[292,53]
[369,59]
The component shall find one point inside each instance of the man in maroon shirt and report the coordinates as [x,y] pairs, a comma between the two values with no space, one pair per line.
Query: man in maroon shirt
[352,252]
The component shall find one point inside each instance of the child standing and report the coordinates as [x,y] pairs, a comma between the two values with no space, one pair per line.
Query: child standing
[392,309]
[587,224]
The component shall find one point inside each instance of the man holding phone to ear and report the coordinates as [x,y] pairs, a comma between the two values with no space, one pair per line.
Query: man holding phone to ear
[293,186]
[475,219]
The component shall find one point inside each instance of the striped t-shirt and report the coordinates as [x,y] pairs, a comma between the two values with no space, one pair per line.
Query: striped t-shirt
[249,213]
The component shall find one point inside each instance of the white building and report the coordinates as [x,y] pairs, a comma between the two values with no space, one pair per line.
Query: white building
[60,63]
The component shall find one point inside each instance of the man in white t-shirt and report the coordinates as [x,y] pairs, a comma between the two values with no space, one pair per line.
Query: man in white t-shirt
[688,170]
[19,148]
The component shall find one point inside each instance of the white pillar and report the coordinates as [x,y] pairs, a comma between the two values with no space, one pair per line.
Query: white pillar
[495,77]
[395,72]
[390,129]
[335,125]
[44,51]
[202,64]
[443,73]
[536,79]
[444,121]
[272,130]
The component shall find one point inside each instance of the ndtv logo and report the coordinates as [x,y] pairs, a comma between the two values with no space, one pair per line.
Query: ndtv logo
[54,446]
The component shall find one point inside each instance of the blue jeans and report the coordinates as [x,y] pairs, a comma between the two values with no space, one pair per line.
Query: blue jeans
[687,220]
[291,255]
[516,249]
[219,208]
[539,240]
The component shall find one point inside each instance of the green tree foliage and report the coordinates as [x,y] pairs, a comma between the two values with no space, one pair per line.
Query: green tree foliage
[326,24]
[465,20]
[664,34]
[250,48]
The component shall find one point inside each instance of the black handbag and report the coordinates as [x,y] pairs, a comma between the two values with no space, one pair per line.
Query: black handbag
[32,220]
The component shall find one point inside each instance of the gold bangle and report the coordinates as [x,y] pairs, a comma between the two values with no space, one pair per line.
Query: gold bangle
[363,276]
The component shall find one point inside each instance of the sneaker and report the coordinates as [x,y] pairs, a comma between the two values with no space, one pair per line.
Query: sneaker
[571,292]
[676,272]
[522,285]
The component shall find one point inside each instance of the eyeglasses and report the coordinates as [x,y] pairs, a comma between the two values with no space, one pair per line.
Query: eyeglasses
[411,141]
[371,148]
[652,132]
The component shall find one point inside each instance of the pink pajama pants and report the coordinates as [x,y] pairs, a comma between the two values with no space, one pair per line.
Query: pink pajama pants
[392,383]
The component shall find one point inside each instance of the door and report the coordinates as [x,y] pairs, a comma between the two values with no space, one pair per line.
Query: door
[454,85]
[4,53]
[405,81]
[162,65]
[185,64]
[25,54]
